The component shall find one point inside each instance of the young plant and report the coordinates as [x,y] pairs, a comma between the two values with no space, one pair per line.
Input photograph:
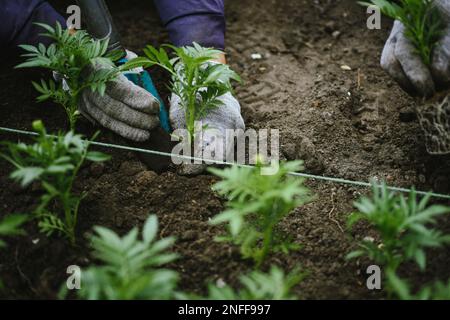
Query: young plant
[404,226]
[68,56]
[130,268]
[256,204]
[257,285]
[436,291]
[402,289]
[422,20]
[195,79]
[54,162]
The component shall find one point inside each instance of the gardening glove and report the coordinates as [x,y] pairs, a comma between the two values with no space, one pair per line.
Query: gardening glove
[213,137]
[400,60]
[126,108]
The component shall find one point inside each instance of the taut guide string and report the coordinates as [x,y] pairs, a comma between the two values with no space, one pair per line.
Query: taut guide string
[298,174]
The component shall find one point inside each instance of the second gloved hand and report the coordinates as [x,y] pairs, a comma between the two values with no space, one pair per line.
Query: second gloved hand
[400,60]
[226,116]
[125,108]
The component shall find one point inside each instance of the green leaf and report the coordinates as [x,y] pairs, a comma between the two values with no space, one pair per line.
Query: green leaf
[399,286]
[96,156]
[61,168]
[130,268]
[150,229]
[10,225]
[136,63]
[420,258]
[27,175]
[354,254]
[29,48]
[33,63]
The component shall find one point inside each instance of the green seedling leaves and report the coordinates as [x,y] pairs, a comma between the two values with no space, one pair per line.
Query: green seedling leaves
[256,204]
[129,268]
[53,162]
[68,57]
[256,285]
[195,79]
[11,226]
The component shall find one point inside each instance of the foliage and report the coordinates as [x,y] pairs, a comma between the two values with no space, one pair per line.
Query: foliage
[54,161]
[195,79]
[404,227]
[257,285]
[422,20]
[256,204]
[434,291]
[10,226]
[68,56]
[130,267]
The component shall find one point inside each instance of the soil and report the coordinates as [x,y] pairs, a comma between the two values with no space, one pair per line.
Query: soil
[355,124]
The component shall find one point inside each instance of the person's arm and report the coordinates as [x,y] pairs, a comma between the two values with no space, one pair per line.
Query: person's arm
[188,21]
[17,18]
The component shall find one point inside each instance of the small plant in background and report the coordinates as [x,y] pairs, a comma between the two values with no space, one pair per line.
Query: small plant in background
[404,227]
[68,57]
[130,268]
[422,20]
[434,291]
[195,79]
[11,226]
[257,285]
[256,205]
[54,161]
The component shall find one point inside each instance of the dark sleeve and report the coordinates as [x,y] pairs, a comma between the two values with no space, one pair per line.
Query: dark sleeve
[187,21]
[17,17]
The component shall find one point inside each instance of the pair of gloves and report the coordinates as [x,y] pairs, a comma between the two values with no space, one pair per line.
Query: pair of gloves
[400,61]
[132,108]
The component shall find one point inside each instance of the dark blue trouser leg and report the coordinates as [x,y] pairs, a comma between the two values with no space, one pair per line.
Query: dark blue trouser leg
[17,17]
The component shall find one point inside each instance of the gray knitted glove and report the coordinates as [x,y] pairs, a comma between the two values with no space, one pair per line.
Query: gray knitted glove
[226,116]
[125,108]
[401,62]
[441,55]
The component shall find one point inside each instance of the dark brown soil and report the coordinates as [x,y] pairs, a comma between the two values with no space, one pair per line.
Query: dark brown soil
[352,124]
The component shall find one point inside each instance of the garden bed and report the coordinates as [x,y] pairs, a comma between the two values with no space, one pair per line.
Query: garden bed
[355,124]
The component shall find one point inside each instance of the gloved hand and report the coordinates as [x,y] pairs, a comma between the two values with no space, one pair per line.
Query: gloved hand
[126,108]
[402,63]
[226,116]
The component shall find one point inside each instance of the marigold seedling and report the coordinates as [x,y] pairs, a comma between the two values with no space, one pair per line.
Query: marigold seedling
[404,227]
[422,20]
[402,289]
[68,56]
[130,268]
[195,79]
[256,205]
[54,162]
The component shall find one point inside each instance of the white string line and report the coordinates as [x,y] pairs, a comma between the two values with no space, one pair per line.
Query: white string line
[208,161]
